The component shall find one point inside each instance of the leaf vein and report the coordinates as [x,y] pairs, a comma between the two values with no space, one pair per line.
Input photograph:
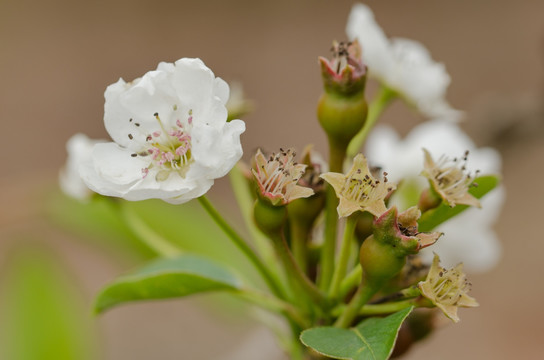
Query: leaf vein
[358,333]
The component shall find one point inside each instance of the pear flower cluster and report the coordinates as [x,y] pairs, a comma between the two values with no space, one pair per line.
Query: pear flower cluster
[174,132]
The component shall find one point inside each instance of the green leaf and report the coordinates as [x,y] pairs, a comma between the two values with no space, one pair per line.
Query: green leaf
[372,339]
[44,315]
[432,218]
[167,278]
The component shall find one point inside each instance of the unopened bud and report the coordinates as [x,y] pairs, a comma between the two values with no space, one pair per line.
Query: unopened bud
[342,109]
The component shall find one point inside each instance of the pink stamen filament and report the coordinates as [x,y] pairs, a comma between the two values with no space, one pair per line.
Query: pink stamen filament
[173,149]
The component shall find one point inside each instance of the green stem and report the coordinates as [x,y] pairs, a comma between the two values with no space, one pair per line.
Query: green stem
[295,274]
[380,309]
[337,153]
[243,247]
[245,202]
[273,304]
[377,106]
[299,243]
[361,297]
[341,266]
[351,281]
[149,237]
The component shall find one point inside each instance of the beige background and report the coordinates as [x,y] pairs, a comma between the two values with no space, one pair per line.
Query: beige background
[57,57]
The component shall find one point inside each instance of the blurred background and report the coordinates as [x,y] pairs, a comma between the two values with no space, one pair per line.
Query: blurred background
[58,56]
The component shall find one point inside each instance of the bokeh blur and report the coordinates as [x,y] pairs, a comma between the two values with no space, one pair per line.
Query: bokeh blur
[57,57]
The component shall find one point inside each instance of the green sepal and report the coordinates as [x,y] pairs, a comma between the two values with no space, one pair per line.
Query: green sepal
[373,339]
[167,278]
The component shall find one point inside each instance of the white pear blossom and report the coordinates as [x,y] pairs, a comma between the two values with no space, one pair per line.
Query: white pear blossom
[468,237]
[170,132]
[79,148]
[405,66]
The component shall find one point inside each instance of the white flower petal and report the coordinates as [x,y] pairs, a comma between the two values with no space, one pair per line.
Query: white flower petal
[111,170]
[193,81]
[218,150]
[129,109]
[221,90]
[376,51]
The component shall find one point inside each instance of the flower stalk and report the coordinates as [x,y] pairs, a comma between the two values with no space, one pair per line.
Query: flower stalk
[237,240]
[380,102]
[271,220]
[147,235]
[345,251]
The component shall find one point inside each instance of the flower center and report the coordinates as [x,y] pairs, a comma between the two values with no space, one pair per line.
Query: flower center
[277,172]
[452,179]
[361,188]
[449,286]
[169,149]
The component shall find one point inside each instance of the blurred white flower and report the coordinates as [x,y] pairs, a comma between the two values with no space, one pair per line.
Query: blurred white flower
[468,237]
[170,132]
[402,65]
[79,149]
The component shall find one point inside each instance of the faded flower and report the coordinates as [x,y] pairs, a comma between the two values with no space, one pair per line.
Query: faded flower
[401,231]
[277,177]
[345,73]
[358,190]
[447,289]
[450,179]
